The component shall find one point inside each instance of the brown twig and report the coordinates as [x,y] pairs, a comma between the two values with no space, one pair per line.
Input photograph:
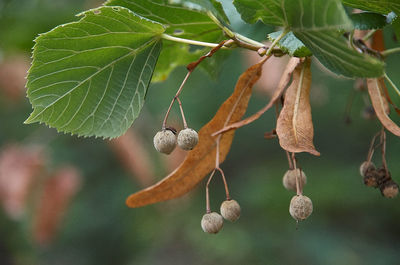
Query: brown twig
[190,67]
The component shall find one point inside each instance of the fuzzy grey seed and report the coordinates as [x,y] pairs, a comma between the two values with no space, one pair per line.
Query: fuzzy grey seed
[165,141]
[230,210]
[212,223]
[300,207]
[187,139]
[289,179]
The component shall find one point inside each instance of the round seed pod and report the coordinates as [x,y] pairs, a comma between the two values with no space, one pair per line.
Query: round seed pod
[187,139]
[389,189]
[300,207]
[165,141]
[212,223]
[371,178]
[366,166]
[230,210]
[289,179]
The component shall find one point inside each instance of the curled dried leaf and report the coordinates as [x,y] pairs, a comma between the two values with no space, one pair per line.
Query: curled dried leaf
[201,160]
[284,81]
[380,104]
[294,126]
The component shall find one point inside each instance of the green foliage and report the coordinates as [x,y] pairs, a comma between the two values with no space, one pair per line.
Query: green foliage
[303,15]
[183,19]
[378,6]
[396,27]
[316,24]
[332,51]
[367,20]
[290,44]
[90,77]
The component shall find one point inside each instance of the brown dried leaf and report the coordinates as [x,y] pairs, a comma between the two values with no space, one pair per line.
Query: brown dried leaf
[294,126]
[20,167]
[387,96]
[381,107]
[57,194]
[285,78]
[201,160]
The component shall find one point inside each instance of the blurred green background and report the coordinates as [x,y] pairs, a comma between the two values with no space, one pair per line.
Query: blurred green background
[90,224]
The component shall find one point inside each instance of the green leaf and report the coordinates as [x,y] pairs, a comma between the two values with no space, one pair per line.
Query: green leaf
[289,43]
[183,19]
[301,15]
[90,77]
[333,52]
[396,27]
[367,20]
[377,6]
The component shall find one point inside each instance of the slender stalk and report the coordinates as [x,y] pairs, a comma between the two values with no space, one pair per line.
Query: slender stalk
[208,208]
[289,160]
[369,35]
[183,114]
[227,31]
[248,40]
[173,100]
[390,51]
[192,42]
[270,49]
[228,197]
[299,191]
[383,149]
[372,147]
[351,42]
[392,84]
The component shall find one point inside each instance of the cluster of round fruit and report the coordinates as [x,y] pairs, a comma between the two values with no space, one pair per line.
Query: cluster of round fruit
[165,140]
[301,206]
[212,222]
[379,178]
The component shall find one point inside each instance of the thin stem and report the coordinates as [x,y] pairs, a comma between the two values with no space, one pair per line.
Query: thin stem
[250,41]
[192,42]
[269,51]
[208,208]
[383,149]
[298,188]
[228,197]
[369,35]
[227,31]
[392,84]
[371,147]
[289,160]
[351,42]
[173,100]
[183,114]
[390,51]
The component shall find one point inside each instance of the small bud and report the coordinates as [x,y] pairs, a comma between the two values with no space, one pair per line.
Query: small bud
[289,179]
[187,139]
[230,210]
[389,189]
[165,141]
[212,223]
[366,166]
[300,207]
